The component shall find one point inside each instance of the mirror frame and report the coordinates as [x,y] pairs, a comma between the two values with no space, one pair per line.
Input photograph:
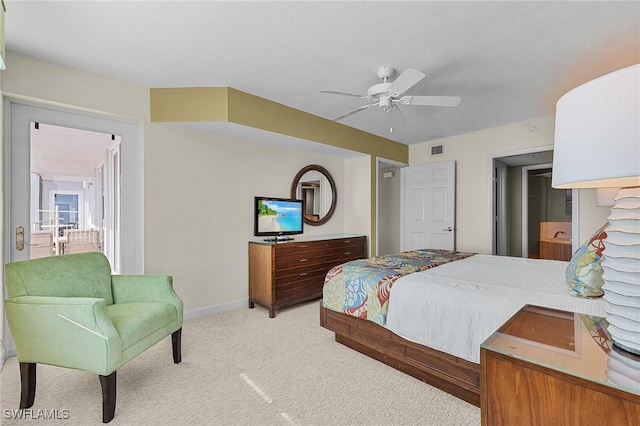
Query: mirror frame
[334,192]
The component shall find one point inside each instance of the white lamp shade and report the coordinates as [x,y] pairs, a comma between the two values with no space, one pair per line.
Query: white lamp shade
[597,133]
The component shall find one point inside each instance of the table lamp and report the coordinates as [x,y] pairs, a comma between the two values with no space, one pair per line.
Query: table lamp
[597,145]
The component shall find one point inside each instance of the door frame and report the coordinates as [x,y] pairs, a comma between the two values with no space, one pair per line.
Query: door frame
[131,171]
[575,194]
[499,210]
[132,254]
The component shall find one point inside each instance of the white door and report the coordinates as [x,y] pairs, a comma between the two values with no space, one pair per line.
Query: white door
[429,206]
[17,167]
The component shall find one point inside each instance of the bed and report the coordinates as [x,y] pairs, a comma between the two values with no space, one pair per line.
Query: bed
[426,312]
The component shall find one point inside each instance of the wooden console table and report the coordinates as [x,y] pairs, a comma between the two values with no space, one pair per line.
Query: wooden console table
[291,272]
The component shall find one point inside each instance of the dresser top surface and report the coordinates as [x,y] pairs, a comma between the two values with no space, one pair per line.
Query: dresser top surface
[303,238]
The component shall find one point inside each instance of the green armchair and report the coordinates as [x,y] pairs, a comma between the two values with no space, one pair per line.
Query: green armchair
[69,311]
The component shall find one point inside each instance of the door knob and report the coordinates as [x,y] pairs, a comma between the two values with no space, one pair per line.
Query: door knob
[20,239]
[449,229]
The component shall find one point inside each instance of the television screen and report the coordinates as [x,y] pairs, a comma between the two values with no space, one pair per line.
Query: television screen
[278,216]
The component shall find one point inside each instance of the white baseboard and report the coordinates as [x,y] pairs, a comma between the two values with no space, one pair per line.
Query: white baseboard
[215,309]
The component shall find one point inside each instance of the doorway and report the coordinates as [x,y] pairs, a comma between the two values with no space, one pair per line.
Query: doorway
[110,186]
[524,203]
[69,198]
[388,206]
[20,118]
[548,214]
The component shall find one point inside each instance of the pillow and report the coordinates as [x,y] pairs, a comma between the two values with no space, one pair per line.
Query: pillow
[584,272]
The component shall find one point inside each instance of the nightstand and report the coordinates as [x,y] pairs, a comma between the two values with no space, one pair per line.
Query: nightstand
[551,367]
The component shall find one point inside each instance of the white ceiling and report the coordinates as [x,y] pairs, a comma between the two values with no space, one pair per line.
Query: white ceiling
[62,153]
[508,60]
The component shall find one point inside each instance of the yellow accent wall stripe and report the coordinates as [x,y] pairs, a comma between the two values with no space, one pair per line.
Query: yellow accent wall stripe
[204,104]
[189,104]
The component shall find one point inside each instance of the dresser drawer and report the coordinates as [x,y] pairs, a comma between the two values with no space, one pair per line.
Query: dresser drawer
[294,255]
[300,274]
[345,253]
[290,266]
[302,290]
[344,242]
[299,247]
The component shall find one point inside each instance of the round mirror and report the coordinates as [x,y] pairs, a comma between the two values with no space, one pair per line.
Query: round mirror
[315,185]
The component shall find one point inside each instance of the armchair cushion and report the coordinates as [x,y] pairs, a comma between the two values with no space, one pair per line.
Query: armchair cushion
[140,325]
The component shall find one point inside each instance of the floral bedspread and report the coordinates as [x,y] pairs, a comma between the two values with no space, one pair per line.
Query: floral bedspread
[361,287]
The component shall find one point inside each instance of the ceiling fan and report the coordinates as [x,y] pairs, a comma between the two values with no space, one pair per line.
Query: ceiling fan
[388,95]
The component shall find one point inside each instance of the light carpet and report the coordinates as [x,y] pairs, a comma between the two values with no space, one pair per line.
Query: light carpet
[243,368]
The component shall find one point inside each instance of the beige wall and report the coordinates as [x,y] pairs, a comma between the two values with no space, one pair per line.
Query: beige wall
[591,216]
[198,187]
[199,190]
[472,152]
[357,196]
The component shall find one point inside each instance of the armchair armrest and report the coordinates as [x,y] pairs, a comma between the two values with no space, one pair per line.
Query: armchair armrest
[145,288]
[74,332]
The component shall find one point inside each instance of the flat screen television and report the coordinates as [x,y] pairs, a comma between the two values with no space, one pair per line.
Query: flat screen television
[278,218]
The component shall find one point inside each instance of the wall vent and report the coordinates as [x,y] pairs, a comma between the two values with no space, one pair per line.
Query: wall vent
[437,150]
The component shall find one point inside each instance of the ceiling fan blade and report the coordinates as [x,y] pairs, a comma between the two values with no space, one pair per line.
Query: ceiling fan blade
[406,80]
[335,92]
[449,101]
[362,108]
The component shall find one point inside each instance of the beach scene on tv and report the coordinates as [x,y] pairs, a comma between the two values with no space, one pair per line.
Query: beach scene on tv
[279,216]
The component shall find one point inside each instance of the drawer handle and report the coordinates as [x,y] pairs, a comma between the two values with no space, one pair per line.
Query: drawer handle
[347,253]
[303,260]
[304,246]
[304,273]
[347,241]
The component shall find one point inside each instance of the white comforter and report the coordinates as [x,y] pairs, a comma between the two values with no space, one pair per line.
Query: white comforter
[456,306]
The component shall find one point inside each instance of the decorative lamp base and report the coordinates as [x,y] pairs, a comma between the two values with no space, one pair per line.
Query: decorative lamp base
[621,267]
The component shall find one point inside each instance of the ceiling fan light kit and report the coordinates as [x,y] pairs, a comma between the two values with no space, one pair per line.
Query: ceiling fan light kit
[386,95]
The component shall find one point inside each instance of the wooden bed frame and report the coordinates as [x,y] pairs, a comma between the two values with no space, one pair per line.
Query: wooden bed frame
[456,376]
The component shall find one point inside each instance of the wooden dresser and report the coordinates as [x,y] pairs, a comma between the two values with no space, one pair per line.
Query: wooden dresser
[551,367]
[291,272]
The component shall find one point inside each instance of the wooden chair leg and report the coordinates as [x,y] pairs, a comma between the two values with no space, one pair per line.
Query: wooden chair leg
[108,384]
[28,384]
[176,342]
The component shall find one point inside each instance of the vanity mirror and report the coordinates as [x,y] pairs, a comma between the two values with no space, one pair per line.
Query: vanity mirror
[315,185]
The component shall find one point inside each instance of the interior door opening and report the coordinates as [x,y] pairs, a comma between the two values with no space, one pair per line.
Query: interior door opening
[73,208]
[388,206]
[530,218]
[123,158]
